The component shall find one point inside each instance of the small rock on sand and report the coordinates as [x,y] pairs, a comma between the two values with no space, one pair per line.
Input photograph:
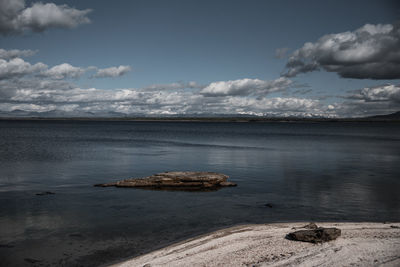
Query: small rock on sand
[318,235]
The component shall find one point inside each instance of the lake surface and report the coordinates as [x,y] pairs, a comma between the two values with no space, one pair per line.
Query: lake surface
[306,171]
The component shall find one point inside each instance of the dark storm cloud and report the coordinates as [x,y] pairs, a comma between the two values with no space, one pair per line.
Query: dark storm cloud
[370,52]
[15,17]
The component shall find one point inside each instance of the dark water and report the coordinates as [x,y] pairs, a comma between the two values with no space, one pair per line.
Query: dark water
[307,171]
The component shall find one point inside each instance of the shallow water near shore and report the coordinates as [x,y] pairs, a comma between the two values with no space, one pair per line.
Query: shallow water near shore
[306,171]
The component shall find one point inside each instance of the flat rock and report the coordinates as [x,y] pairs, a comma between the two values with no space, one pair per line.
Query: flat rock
[318,235]
[191,181]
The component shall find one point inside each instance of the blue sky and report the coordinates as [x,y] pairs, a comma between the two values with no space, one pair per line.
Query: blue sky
[177,42]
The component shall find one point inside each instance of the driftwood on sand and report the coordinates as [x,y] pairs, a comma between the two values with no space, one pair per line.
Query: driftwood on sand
[191,181]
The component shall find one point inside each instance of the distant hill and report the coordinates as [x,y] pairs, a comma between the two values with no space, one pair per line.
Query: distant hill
[392,116]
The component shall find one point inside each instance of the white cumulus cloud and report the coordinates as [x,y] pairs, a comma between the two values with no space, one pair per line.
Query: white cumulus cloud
[18,67]
[13,53]
[370,52]
[246,87]
[63,71]
[112,71]
[15,17]
[34,87]
[388,92]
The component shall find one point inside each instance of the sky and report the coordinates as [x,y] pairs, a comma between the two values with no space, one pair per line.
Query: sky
[171,58]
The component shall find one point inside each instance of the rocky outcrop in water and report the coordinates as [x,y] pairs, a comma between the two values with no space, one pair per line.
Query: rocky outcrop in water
[191,181]
[316,235]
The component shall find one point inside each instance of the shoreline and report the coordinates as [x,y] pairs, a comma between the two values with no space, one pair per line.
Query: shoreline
[366,244]
[207,119]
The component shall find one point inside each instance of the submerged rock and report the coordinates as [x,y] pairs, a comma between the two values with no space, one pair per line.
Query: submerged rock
[193,181]
[45,193]
[30,260]
[318,235]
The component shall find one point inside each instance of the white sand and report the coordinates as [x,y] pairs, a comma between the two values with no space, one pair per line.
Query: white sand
[361,244]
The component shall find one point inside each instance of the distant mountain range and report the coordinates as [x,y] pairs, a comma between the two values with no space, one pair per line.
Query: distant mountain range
[55,114]
[60,114]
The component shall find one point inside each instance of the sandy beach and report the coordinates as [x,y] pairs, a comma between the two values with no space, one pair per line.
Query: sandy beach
[360,244]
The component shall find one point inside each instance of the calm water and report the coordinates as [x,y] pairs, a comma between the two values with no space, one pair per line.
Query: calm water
[307,171]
